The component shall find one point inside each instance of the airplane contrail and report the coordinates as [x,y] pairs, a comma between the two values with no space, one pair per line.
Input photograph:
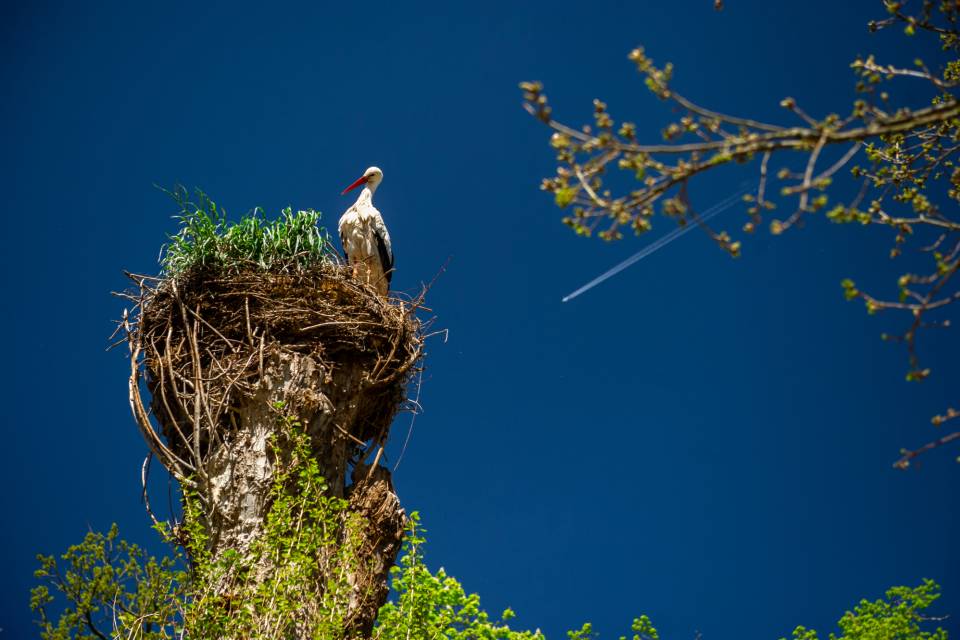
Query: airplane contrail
[720,207]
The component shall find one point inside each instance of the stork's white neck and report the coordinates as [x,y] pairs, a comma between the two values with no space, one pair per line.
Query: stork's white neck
[366,196]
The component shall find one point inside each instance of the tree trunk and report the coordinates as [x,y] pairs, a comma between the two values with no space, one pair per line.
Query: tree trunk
[223,371]
[242,468]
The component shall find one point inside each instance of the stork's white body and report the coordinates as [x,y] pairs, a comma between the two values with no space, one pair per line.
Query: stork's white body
[365,239]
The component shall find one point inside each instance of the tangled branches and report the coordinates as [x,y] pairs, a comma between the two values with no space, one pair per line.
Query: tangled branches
[205,342]
[910,182]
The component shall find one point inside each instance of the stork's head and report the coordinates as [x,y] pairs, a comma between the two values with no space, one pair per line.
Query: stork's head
[371,177]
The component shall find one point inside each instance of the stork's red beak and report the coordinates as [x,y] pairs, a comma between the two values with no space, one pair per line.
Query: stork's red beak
[361,180]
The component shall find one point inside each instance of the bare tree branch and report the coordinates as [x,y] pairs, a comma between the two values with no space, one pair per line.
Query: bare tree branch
[910,177]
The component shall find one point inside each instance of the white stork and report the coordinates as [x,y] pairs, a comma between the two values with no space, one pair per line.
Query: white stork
[364,236]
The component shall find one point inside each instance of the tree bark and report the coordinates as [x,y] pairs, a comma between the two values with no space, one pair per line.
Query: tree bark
[241,471]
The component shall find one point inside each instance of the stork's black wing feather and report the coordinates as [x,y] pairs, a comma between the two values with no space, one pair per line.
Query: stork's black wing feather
[386,256]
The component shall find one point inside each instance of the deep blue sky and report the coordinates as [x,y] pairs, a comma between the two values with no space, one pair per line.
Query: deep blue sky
[701,439]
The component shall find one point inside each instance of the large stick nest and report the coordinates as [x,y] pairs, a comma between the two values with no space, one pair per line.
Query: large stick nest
[201,341]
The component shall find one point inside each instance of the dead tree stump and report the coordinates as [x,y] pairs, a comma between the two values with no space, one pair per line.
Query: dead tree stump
[225,357]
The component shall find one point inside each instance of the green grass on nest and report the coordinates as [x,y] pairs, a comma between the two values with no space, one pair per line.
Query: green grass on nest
[292,242]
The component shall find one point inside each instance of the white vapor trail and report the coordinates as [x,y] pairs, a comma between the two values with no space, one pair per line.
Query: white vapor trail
[720,207]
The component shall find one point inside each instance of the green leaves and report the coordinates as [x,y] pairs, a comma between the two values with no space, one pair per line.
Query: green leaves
[207,238]
[564,196]
[112,588]
[435,605]
[644,630]
[850,290]
[898,616]
[309,544]
[107,587]
[108,584]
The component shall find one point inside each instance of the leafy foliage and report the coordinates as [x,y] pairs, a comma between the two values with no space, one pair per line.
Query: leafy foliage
[112,589]
[899,616]
[642,629]
[909,183]
[207,238]
[130,595]
[429,605]
[109,584]
[237,595]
